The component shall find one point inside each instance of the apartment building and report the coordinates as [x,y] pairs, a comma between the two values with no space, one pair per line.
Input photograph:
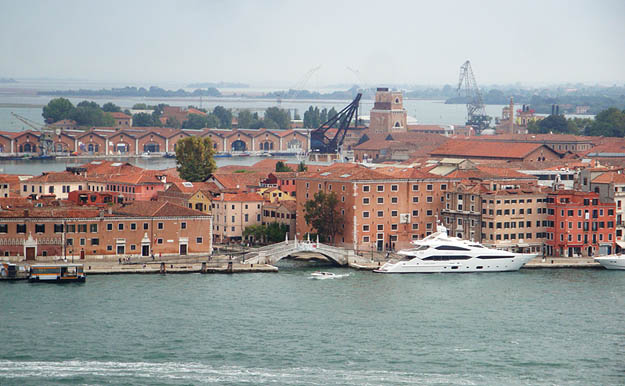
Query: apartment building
[282,212]
[233,212]
[137,229]
[579,224]
[382,209]
[515,218]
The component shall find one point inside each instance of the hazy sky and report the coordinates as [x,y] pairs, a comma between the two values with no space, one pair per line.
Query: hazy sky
[260,42]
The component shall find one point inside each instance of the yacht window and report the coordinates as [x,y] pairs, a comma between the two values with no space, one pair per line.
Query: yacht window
[476,246]
[451,248]
[494,257]
[447,258]
[421,248]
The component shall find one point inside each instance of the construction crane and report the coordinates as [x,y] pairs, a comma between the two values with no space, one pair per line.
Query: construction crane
[322,143]
[46,142]
[476,113]
[300,84]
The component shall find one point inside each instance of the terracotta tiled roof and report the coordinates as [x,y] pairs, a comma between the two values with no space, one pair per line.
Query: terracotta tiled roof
[242,197]
[155,209]
[537,138]
[119,115]
[470,148]
[54,177]
[15,202]
[344,172]
[238,181]
[191,110]
[48,212]
[616,177]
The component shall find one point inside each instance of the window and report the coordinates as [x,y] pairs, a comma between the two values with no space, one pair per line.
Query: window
[428,199]
[415,226]
[443,186]
[415,188]
[380,188]
[428,187]
[415,199]
[393,227]
[145,226]
[365,214]
[120,226]
[160,225]
[380,213]
[429,212]
[365,239]
[4,228]
[380,200]
[71,228]
[365,228]
[394,188]
[159,241]
[95,241]
[109,227]
[394,213]
[380,227]
[93,228]
[199,240]
[365,188]
[415,213]
[133,226]
[82,228]
[183,225]
[83,241]
[40,228]
[365,201]
[109,248]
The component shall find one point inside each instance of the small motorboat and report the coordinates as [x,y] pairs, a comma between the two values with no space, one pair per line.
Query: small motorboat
[326,275]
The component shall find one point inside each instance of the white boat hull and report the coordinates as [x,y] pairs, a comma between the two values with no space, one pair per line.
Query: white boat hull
[612,262]
[458,266]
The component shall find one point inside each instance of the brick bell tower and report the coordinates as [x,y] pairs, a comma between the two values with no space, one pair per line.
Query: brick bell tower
[388,114]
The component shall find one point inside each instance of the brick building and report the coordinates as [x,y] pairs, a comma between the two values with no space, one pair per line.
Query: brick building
[137,229]
[283,212]
[579,224]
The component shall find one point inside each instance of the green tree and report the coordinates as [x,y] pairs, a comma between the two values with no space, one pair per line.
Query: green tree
[173,122]
[142,120]
[139,106]
[256,232]
[281,167]
[224,117]
[279,116]
[275,232]
[57,109]
[245,119]
[609,123]
[194,121]
[302,167]
[110,107]
[90,114]
[323,215]
[194,158]
[552,124]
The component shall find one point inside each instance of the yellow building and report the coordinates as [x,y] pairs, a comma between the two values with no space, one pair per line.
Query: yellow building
[275,195]
[201,201]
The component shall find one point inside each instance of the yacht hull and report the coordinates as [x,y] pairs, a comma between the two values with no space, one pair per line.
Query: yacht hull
[612,262]
[458,266]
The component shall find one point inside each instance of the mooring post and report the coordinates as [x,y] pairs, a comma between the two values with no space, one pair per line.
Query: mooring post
[163,269]
[229,269]
[203,269]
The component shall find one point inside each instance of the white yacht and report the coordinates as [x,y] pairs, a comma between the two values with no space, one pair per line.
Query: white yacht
[442,253]
[612,261]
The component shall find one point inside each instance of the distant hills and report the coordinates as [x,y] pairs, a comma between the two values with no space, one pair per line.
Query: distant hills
[153,91]
[218,85]
[7,80]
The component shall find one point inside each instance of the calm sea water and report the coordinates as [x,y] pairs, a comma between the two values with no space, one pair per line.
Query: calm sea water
[534,327]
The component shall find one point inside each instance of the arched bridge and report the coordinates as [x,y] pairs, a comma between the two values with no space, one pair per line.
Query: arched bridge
[273,253]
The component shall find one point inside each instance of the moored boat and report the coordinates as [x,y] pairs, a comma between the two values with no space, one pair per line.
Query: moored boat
[59,273]
[442,253]
[612,261]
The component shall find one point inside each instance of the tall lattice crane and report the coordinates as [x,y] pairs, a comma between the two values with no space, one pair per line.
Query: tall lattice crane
[46,134]
[323,143]
[476,113]
[299,85]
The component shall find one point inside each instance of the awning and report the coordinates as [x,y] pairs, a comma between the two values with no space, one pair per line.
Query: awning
[621,244]
[522,245]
